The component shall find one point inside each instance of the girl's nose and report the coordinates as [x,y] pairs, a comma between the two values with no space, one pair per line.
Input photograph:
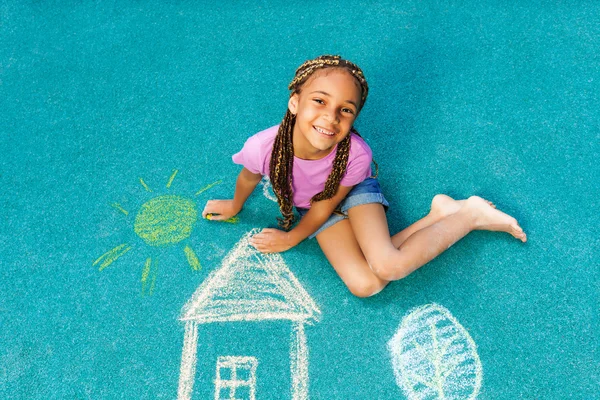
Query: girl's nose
[332,117]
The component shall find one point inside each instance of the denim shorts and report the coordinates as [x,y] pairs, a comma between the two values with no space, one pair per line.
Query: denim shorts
[366,192]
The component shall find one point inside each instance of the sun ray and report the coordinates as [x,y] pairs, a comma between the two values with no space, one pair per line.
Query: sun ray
[145,186]
[155,273]
[118,207]
[175,171]
[192,258]
[150,271]
[146,271]
[208,187]
[112,255]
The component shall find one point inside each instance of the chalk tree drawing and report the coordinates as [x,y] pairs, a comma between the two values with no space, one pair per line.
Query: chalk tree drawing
[434,357]
[162,221]
[249,286]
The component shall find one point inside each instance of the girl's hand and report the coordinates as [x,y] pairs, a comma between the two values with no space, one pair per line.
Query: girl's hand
[271,241]
[219,210]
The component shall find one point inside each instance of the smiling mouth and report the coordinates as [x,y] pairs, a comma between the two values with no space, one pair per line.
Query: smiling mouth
[324,131]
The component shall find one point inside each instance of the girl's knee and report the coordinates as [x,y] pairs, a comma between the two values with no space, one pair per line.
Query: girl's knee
[388,270]
[366,287]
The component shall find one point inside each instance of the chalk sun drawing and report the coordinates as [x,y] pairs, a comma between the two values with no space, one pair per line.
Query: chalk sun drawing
[434,357]
[162,221]
[248,286]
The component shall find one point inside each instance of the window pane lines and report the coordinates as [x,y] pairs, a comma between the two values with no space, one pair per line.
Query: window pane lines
[236,378]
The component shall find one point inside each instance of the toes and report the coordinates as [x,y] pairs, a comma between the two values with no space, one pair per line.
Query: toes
[518,233]
[518,228]
[489,202]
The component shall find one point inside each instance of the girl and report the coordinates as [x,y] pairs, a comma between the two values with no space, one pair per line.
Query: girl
[318,162]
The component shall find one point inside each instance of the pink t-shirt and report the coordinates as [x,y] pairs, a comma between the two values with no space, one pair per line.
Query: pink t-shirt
[309,176]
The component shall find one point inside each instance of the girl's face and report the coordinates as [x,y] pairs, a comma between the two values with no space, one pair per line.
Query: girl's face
[325,110]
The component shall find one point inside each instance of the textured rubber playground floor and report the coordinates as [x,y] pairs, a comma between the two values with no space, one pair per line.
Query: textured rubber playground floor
[117,117]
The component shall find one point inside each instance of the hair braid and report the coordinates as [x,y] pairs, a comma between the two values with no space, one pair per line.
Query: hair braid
[280,169]
[282,155]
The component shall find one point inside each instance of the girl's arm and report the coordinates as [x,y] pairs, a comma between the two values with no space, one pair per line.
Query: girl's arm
[225,209]
[274,240]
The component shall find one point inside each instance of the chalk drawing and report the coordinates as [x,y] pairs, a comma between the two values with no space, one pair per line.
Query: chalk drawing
[192,258]
[236,378]
[118,207]
[145,186]
[111,256]
[151,266]
[434,357]
[164,220]
[232,220]
[249,286]
[170,182]
[268,189]
[208,187]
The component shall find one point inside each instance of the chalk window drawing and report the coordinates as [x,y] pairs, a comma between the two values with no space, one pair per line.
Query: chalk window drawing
[162,221]
[236,378]
[268,189]
[434,357]
[249,286]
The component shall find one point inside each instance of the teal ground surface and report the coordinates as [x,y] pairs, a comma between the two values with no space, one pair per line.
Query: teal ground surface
[489,98]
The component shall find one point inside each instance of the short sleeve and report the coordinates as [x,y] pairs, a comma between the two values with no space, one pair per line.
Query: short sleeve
[251,156]
[359,163]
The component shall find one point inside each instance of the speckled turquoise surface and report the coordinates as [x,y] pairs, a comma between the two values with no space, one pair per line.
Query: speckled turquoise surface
[499,99]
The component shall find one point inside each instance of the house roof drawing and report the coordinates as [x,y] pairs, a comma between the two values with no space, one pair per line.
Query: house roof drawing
[250,286]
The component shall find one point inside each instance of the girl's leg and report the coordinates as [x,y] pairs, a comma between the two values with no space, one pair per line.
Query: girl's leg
[339,245]
[441,207]
[422,242]
[343,252]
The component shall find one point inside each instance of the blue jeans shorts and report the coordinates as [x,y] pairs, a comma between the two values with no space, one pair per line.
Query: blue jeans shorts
[366,192]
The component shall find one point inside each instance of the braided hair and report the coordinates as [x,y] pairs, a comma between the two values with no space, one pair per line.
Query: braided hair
[282,156]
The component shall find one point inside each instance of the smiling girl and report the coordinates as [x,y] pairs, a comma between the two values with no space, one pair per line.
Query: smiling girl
[317,162]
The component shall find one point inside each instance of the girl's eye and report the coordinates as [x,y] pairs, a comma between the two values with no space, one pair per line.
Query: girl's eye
[319,101]
[348,110]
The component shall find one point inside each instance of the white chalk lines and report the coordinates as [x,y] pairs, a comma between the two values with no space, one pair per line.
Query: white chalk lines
[248,286]
[236,378]
[268,189]
[434,357]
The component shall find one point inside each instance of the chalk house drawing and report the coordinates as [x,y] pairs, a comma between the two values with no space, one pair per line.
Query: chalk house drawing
[434,357]
[162,221]
[236,377]
[248,286]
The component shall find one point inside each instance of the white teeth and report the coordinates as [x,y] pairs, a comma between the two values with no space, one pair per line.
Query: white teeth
[324,131]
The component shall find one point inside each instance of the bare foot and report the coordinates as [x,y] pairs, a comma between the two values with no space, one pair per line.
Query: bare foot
[443,205]
[489,219]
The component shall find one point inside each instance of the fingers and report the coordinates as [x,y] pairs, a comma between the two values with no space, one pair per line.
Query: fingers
[215,217]
[216,210]
[261,242]
[209,208]
[260,245]
[264,236]
[259,239]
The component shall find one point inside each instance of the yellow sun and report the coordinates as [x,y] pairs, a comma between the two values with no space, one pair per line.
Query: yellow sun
[162,221]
